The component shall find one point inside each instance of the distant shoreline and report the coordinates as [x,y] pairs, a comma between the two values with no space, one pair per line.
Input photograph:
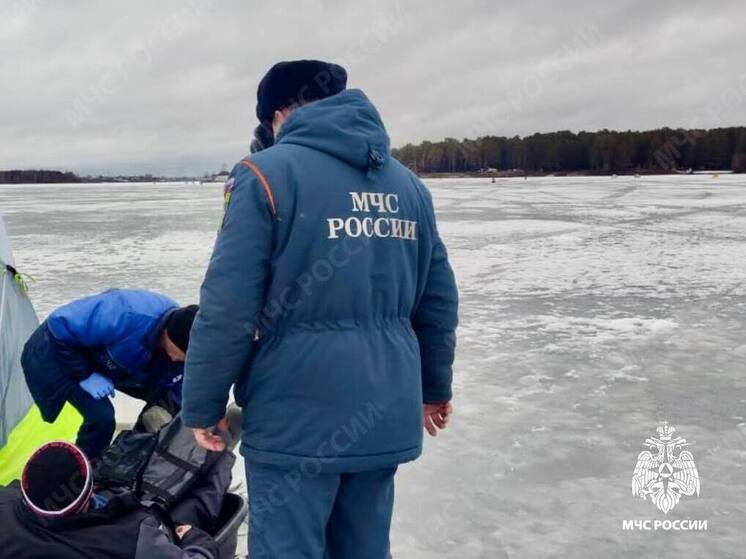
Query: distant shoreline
[663,151]
[426,176]
[46,176]
[58,177]
[520,174]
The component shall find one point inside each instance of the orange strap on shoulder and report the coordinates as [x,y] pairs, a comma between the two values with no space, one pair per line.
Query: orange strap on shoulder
[265,183]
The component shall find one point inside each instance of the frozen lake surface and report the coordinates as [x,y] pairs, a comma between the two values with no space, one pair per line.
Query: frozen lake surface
[592,309]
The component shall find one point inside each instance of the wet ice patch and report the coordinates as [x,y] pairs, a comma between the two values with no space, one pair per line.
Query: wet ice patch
[626,374]
[595,330]
[506,230]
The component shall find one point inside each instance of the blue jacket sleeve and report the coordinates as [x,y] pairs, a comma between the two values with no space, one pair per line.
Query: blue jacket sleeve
[231,299]
[435,321]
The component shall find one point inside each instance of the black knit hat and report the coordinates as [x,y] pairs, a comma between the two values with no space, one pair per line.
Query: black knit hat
[297,81]
[57,480]
[179,325]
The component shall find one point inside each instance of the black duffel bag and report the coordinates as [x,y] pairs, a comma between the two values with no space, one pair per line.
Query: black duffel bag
[124,460]
[159,467]
[174,465]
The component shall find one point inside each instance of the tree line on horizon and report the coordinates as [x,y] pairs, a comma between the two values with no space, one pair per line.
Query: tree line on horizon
[606,151]
[50,176]
[34,176]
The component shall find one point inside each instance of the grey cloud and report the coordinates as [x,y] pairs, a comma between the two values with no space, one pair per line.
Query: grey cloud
[169,87]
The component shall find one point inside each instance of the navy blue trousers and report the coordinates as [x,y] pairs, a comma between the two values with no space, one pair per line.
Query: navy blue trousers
[294,515]
[98,422]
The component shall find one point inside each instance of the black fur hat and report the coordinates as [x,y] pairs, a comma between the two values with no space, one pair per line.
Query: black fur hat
[297,81]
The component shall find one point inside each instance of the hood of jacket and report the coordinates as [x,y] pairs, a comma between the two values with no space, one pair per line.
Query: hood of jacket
[345,125]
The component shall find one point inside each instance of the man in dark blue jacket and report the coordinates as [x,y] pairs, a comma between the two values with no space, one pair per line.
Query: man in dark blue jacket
[329,302]
[129,340]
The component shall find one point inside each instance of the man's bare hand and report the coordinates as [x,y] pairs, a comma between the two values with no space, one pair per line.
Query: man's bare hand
[182,529]
[210,438]
[436,416]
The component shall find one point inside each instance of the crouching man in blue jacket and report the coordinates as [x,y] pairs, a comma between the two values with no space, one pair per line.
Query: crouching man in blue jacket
[129,340]
[330,304]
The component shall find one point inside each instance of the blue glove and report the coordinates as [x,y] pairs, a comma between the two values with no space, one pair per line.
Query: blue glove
[98,386]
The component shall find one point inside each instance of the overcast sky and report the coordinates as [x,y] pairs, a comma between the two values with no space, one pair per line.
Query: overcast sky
[169,87]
